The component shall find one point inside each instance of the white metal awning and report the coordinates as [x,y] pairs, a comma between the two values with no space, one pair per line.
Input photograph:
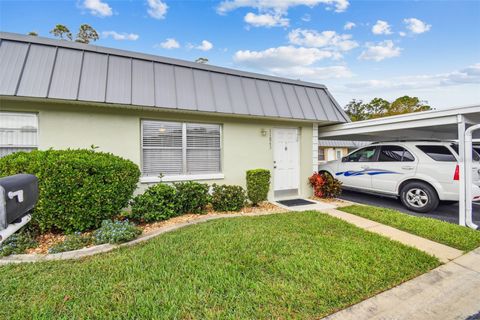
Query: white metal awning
[448,124]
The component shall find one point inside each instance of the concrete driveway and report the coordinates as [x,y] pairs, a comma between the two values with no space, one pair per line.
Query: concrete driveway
[444,212]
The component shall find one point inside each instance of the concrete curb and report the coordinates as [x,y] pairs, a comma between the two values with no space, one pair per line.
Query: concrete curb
[90,251]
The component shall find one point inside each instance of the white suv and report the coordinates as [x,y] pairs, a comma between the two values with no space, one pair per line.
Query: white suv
[421,173]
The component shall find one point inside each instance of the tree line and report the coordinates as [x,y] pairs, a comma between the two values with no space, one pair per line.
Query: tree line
[358,110]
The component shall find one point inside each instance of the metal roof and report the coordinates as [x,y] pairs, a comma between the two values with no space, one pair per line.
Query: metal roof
[342,143]
[58,69]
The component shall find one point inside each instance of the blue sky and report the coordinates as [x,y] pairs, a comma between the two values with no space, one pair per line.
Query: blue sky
[359,49]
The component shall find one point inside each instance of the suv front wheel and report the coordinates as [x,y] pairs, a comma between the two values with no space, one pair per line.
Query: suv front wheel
[419,197]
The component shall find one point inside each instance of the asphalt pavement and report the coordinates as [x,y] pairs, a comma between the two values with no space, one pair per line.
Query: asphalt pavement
[445,212]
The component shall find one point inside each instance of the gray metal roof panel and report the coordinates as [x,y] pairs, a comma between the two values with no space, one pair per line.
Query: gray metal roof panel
[280,100]
[12,59]
[35,78]
[165,92]
[93,78]
[73,71]
[239,102]
[66,74]
[204,90]
[119,80]
[143,90]
[186,98]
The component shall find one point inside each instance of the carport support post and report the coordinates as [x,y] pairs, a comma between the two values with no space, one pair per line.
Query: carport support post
[468,176]
[461,165]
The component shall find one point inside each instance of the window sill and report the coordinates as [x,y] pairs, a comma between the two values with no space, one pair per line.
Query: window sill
[208,176]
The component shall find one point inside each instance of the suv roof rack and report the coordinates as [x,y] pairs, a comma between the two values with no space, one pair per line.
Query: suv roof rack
[409,140]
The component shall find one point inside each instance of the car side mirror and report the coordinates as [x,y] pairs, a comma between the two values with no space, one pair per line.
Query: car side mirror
[344,159]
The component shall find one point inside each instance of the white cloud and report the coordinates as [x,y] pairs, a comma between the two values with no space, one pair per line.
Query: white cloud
[402,34]
[120,36]
[292,62]
[157,9]
[379,51]
[381,27]
[325,39]
[205,45]
[279,6]
[98,8]
[170,43]
[349,26]
[306,17]
[468,75]
[416,26]
[266,20]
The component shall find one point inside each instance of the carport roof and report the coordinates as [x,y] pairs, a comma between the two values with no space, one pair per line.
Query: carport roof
[58,69]
[437,124]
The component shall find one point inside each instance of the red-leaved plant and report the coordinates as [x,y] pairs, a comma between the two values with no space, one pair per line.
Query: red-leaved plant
[324,185]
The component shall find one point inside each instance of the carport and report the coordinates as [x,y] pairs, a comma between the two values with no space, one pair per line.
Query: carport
[449,124]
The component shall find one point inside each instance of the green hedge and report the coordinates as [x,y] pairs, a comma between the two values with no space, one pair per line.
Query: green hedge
[258,184]
[158,202]
[192,196]
[78,188]
[228,198]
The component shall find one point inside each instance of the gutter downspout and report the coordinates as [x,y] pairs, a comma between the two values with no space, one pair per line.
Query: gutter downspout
[468,176]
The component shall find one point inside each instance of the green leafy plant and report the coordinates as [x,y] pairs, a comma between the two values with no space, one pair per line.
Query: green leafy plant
[228,197]
[78,188]
[192,196]
[72,242]
[116,232]
[18,243]
[258,184]
[158,202]
[325,186]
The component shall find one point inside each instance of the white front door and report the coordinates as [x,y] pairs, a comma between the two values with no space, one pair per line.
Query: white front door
[285,159]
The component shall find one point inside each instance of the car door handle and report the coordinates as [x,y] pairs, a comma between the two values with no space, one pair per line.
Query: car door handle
[407,168]
[365,167]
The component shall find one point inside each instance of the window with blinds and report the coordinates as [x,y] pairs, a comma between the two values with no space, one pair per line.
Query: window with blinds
[18,132]
[175,148]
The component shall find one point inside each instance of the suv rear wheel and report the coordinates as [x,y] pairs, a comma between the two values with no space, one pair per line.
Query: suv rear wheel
[419,197]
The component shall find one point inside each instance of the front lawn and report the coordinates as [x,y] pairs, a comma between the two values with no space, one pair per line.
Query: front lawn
[289,265]
[447,233]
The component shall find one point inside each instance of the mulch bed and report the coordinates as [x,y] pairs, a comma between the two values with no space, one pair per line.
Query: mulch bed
[45,241]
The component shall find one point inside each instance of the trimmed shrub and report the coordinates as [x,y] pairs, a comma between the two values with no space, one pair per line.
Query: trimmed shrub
[72,242]
[228,198]
[78,188]
[18,243]
[325,186]
[116,232]
[258,184]
[158,202]
[192,196]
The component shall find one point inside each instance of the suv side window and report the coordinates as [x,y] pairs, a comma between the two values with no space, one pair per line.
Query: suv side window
[394,153]
[367,154]
[438,153]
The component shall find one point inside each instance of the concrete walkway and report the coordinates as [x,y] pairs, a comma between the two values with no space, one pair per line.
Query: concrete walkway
[451,291]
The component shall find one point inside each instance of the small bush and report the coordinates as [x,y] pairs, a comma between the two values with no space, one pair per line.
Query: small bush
[228,198]
[325,186]
[18,243]
[72,242]
[116,232]
[258,184]
[78,188]
[159,202]
[192,197]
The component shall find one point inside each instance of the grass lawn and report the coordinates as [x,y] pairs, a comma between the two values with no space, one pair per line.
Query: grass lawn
[289,265]
[447,233]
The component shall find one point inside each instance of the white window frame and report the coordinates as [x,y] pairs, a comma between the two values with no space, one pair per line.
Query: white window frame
[185,176]
[18,146]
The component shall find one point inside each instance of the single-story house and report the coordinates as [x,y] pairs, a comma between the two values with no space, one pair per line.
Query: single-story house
[329,150]
[179,119]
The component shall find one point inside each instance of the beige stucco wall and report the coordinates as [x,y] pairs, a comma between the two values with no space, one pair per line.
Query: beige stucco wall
[117,130]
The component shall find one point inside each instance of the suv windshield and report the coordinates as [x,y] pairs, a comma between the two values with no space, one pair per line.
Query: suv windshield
[475,155]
